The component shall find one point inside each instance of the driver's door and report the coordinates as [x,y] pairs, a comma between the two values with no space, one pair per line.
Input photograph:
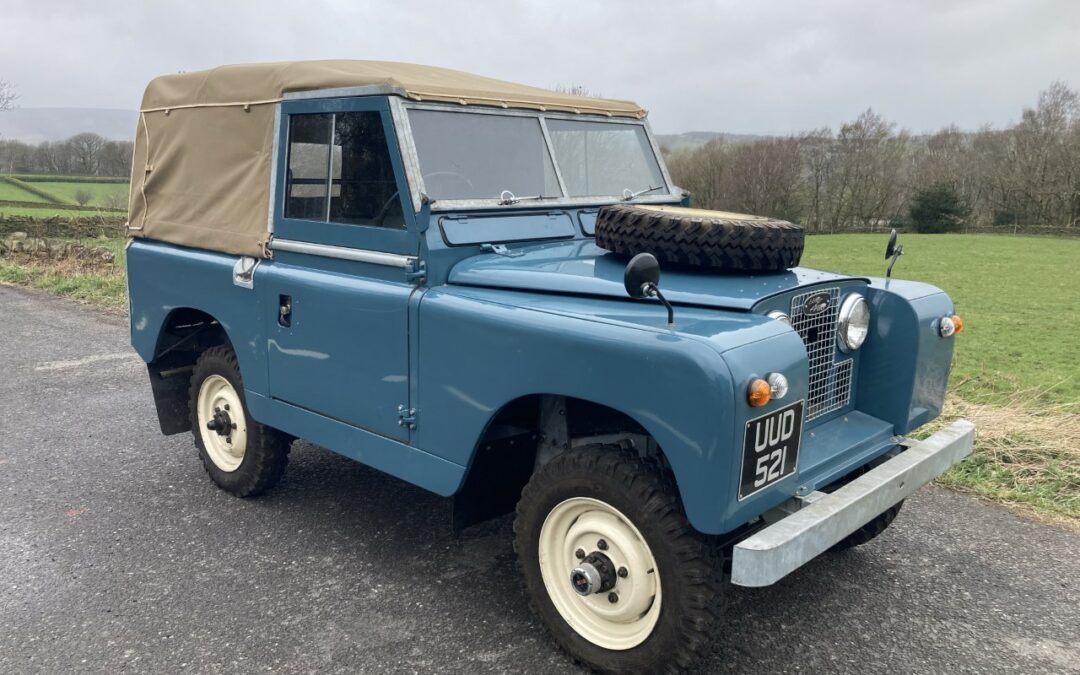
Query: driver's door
[335,295]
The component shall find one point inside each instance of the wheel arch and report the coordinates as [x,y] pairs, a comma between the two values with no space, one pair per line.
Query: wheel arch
[183,334]
[527,432]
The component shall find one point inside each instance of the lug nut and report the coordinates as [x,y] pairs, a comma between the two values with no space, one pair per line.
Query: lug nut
[579,554]
[613,598]
[226,406]
[623,572]
[602,545]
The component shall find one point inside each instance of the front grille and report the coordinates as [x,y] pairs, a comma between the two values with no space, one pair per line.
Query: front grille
[830,381]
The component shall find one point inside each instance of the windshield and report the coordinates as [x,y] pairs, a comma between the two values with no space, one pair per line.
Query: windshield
[478,156]
[603,158]
[486,156]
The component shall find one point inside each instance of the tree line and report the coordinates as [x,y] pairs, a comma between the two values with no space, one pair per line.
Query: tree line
[84,154]
[869,174]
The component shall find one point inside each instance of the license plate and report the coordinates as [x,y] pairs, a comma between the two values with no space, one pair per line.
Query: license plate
[770,448]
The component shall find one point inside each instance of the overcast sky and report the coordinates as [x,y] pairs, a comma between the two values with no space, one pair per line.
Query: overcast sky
[749,66]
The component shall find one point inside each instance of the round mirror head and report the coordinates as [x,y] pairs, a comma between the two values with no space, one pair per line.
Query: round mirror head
[642,270]
[891,248]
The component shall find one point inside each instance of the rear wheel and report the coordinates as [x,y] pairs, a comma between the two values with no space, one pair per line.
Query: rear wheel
[612,566]
[242,456]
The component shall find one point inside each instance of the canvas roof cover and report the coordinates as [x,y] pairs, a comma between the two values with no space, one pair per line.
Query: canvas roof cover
[204,142]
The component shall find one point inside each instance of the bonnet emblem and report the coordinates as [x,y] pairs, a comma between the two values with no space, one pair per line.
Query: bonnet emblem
[816,304]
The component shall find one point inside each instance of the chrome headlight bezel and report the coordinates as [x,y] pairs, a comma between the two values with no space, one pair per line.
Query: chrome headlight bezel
[853,323]
[782,317]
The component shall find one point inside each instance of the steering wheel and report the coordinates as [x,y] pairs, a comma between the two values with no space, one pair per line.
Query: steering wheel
[384,210]
[453,174]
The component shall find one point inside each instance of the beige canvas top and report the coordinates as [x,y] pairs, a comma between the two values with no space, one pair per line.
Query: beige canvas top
[204,142]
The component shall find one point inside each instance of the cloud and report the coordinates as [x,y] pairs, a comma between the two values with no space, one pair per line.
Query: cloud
[748,67]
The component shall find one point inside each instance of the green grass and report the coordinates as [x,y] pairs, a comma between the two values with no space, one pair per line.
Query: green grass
[1018,297]
[48,212]
[15,193]
[104,285]
[98,191]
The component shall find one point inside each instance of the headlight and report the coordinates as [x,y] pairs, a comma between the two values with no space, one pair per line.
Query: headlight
[854,323]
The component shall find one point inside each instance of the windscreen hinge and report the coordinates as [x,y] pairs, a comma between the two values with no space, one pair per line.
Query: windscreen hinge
[501,249]
[416,271]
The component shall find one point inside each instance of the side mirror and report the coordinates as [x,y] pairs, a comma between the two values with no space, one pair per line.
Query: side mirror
[890,249]
[642,276]
[893,251]
[642,280]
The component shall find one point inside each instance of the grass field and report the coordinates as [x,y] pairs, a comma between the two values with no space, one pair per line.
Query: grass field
[9,192]
[98,191]
[43,189]
[45,211]
[1019,298]
[1017,367]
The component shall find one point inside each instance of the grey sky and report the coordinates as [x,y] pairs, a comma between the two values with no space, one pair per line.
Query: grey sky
[738,66]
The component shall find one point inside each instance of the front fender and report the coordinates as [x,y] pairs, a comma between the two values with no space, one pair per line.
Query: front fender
[480,349]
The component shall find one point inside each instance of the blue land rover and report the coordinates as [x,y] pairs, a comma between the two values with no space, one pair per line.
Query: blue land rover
[495,292]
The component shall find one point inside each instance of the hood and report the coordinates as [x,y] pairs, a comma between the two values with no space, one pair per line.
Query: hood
[581,267]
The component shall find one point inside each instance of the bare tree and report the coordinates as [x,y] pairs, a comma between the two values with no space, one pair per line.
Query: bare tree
[7,95]
[86,150]
[83,197]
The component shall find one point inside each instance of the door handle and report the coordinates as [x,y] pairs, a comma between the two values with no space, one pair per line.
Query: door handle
[284,318]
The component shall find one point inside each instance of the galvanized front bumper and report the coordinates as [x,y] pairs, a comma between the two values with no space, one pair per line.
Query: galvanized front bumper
[774,552]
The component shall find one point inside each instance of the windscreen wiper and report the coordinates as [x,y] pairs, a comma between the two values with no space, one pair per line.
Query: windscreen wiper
[628,194]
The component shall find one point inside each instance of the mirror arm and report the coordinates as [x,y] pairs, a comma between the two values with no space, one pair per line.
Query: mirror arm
[650,290]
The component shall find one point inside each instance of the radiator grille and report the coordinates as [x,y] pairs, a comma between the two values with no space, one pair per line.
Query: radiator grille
[830,381]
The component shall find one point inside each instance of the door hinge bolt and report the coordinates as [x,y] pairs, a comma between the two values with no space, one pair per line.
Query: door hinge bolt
[406,417]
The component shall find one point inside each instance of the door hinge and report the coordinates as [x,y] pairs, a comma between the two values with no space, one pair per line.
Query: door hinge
[406,417]
[416,271]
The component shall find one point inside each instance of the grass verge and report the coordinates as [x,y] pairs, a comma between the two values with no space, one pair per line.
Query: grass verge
[1023,455]
[90,279]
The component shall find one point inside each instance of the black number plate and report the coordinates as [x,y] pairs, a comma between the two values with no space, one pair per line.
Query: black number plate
[770,448]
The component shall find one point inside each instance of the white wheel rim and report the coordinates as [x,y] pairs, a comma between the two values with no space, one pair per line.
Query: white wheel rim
[217,395]
[580,523]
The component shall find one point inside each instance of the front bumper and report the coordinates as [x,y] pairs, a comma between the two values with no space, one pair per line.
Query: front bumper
[824,519]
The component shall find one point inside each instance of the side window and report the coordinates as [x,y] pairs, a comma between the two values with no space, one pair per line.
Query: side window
[309,166]
[354,170]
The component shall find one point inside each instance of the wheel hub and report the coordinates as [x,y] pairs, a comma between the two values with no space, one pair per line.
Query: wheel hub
[595,574]
[221,422]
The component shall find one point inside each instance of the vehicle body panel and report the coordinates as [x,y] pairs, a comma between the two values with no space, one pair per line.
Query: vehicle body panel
[583,267]
[473,327]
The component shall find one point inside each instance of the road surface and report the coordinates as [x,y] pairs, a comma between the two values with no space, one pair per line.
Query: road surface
[117,554]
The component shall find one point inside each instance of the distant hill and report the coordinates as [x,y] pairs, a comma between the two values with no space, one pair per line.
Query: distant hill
[690,140]
[34,125]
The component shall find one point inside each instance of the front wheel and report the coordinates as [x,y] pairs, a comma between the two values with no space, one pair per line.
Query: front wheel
[612,566]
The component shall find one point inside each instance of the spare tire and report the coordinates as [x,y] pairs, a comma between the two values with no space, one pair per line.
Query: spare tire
[731,242]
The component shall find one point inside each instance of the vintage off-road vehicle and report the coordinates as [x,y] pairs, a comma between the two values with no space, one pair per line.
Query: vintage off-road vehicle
[456,280]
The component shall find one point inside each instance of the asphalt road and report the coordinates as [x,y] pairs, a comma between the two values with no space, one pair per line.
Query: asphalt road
[117,554]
